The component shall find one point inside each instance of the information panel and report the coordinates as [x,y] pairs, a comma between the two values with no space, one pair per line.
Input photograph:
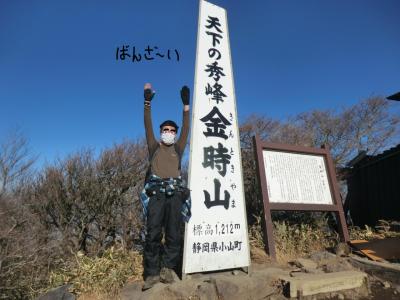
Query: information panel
[296,178]
[216,235]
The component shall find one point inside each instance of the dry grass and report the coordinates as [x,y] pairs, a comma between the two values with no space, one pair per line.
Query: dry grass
[296,240]
[102,276]
[380,231]
[292,240]
[256,240]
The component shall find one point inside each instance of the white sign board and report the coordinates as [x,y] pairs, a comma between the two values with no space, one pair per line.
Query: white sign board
[216,235]
[296,178]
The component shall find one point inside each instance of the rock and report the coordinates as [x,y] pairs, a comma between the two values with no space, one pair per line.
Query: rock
[386,284]
[235,272]
[340,296]
[131,291]
[298,274]
[271,273]
[321,256]
[243,286]
[195,276]
[206,291]
[337,265]
[306,265]
[277,297]
[60,293]
[222,285]
[342,249]
[227,289]
[397,290]
[182,290]
[257,287]
[324,283]
[187,276]
[385,271]
[263,283]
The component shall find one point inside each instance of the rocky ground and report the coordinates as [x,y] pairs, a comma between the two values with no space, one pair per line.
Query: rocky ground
[321,276]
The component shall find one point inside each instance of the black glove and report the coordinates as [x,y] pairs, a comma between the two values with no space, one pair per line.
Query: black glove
[148,95]
[185,95]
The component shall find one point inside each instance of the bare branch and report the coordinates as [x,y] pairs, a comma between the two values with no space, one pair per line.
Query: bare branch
[16,161]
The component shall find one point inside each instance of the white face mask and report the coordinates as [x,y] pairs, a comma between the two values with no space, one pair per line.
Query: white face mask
[168,138]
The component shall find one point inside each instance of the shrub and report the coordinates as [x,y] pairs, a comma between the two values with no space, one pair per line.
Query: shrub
[84,203]
[102,276]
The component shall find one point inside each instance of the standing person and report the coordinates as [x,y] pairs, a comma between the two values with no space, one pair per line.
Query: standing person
[164,195]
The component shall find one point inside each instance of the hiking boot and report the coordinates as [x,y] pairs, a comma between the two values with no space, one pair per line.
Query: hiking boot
[150,282]
[168,275]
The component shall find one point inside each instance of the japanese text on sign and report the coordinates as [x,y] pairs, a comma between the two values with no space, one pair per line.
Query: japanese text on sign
[296,178]
[216,236]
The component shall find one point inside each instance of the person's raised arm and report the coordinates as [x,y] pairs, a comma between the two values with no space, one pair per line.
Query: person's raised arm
[185,96]
[148,124]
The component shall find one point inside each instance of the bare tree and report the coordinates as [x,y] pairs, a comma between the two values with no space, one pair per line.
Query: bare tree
[25,256]
[89,201]
[16,161]
[83,202]
[368,125]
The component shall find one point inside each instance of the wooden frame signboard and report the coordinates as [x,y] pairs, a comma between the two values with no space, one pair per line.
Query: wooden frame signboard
[296,178]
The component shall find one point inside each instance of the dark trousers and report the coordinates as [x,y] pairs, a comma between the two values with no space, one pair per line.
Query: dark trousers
[163,212]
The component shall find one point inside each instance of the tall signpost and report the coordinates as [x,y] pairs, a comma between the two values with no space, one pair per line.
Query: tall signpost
[216,236]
